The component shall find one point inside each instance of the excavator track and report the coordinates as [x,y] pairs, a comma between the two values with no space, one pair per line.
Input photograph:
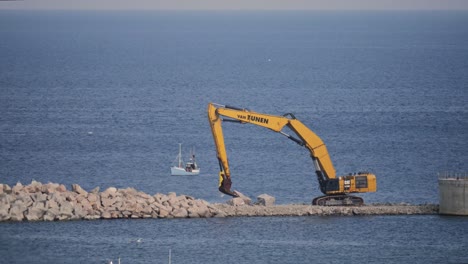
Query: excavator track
[338,200]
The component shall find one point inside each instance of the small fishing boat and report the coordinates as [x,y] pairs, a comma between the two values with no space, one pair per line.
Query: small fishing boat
[188,168]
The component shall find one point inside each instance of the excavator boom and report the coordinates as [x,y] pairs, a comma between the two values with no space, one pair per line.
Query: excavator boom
[335,188]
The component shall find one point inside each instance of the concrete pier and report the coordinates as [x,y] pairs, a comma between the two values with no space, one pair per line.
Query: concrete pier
[453,194]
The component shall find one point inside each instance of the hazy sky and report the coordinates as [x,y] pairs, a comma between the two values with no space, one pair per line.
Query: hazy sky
[238,4]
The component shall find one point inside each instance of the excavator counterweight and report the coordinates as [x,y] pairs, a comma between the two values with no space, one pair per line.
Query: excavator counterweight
[336,189]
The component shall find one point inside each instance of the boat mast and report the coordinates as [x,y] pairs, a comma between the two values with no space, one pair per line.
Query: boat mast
[180,155]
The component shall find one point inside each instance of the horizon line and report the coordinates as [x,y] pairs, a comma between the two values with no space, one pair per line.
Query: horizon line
[230,9]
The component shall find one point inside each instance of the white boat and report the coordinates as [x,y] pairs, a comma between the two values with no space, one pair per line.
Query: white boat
[188,168]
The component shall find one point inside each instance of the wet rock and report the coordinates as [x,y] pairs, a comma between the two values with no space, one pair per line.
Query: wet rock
[265,200]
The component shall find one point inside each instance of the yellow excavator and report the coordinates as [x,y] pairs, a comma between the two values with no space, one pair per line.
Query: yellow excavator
[335,189]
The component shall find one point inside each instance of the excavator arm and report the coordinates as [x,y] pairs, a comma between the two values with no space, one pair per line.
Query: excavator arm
[329,183]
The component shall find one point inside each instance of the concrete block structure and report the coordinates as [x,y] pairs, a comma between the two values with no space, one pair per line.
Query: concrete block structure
[453,194]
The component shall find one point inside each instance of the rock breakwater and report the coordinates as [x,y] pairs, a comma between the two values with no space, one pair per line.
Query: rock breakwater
[53,202]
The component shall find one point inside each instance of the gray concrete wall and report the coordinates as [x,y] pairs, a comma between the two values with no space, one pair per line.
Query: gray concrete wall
[453,196]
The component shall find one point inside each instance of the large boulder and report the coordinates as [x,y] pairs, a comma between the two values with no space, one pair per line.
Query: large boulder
[193,212]
[77,188]
[237,201]
[66,211]
[25,199]
[39,197]
[18,188]
[246,199]
[49,188]
[5,200]
[107,202]
[95,190]
[158,197]
[163,213]
[129,191]
[35,213]
[79,212]
[93,198]
[33,187]
[106,214]
[55,200]
[173,200]
[111,191]
[5,188]
[198,209]
[4,215]
[51,214]
[51,204]
[17,211]
[61,188]
[265,200]
[180,213]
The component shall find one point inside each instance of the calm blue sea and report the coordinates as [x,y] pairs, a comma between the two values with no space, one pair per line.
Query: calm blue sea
[103,99]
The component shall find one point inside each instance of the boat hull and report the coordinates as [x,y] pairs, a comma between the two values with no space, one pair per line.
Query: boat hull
[176,171]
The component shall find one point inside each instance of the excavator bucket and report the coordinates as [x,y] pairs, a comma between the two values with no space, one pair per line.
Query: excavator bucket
[225,186]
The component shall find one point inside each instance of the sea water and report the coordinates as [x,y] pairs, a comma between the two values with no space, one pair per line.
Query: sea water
[102,98]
